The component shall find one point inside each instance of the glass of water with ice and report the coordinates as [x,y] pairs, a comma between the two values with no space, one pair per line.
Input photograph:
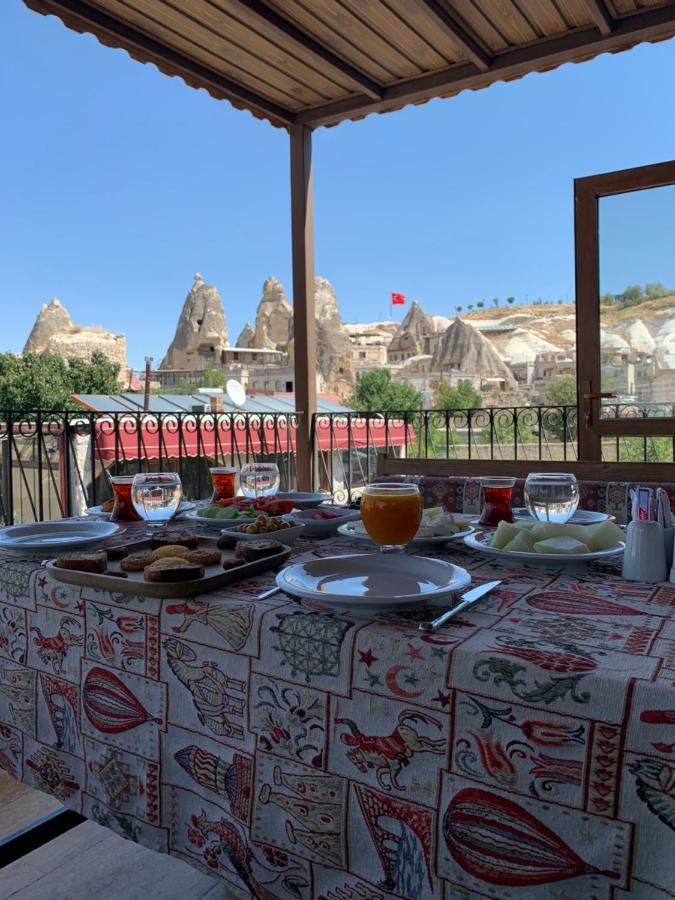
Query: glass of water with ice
[259,479]
[551,496]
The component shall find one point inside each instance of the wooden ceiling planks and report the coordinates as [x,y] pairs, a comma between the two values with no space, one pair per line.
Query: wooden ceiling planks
[317,62]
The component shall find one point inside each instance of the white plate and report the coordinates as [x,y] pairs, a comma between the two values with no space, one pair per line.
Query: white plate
[324,527]
[287,536]
[194,516]
[184,507]
[479,541]
[351,530]
[373,582]
[304,499]
[59,535]
[580,517]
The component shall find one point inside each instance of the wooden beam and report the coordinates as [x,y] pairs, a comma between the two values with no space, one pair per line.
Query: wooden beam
[362,82]
[601,15]
[650,24]
[460,34]
[304,319]
[82,16]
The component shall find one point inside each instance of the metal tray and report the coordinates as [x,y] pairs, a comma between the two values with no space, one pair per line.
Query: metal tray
[215,577]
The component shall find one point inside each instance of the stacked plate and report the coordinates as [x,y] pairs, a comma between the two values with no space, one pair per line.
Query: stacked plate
[59,535]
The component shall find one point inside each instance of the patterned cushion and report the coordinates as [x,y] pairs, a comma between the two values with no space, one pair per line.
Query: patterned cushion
[463,495]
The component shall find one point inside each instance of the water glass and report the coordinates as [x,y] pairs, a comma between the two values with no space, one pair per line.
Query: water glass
[551,496]
[259,479]
[156,496]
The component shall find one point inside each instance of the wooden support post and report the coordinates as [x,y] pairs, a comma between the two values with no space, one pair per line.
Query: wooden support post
[304,320]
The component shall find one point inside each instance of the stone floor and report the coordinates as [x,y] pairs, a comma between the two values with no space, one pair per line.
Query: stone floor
[91,862]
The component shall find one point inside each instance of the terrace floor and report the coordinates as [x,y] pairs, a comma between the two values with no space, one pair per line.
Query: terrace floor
[90,861]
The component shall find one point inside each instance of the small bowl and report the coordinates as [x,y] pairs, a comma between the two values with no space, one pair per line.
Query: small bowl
[325,527]
[304,499]
[287,536]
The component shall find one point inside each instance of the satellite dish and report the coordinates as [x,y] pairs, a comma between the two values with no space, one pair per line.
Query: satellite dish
[235,391]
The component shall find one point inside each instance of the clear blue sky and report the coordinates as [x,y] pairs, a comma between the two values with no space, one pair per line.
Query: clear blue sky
[118,183]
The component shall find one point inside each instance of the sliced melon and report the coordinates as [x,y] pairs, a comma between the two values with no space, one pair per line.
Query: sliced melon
[522,543]
[560,544]
[527,524]
[505,532]
[542,531]
[604,535]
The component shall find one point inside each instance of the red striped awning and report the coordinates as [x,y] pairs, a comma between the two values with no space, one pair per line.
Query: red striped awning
[150,437]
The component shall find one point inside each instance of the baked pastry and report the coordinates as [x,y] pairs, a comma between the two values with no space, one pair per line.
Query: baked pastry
[203,557]
[116,574]
[107,505]
[227,542]
[173,569]
[250,551]
[137,562]
[232,564]
[114,554]
[170,550]
[96,561]
[174,536]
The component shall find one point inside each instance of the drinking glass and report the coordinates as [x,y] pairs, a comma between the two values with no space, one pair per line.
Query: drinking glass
[259,479]
[123,510]
[156,496]
[497,493]
[551,496]
[223,478]
[391,514]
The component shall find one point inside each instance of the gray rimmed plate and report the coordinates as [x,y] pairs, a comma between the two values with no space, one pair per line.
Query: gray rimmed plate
[58,535]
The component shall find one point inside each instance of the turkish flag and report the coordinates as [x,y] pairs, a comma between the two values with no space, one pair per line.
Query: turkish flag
[398,299]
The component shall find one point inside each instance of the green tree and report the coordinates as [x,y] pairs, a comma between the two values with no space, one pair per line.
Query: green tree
[510,300]
[632,295]
[213,378]
[376,392]
[495,301]
[562,391]
[607,299]
[655,289]
[464,396]
[470,306]
[480,304]
[459,308]
[44,381]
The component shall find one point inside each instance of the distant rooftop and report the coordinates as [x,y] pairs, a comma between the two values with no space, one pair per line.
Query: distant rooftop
[130,402]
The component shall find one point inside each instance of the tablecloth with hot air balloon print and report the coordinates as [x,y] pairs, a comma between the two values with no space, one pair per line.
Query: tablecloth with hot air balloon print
[527,750]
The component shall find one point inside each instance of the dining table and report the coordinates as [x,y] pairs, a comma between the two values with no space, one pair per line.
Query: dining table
[524,750]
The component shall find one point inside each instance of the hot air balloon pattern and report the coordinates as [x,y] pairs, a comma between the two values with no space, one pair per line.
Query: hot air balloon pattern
[498,841]
[109,704]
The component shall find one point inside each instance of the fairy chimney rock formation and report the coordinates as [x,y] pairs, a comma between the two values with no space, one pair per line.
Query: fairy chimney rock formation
[246,338]
[333,348]
[201,333]
[55,332]
[465,349]
[272,317]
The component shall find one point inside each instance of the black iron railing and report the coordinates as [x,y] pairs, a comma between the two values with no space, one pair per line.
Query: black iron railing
[54,464]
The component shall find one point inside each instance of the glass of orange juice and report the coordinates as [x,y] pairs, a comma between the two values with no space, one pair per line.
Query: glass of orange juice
[391,514]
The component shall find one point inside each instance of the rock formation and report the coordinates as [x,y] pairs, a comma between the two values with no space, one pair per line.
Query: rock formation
[201,333]
[463,348]
[246,338]
[54,332]
[333,348]
[272,317]
[417,334]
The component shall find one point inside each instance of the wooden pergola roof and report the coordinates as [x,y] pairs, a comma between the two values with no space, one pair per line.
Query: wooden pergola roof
[318,62]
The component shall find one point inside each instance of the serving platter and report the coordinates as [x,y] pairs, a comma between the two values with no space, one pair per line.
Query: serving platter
[219,524]
[356,531]
[214,578]
[61,534]
[304,499]
[98,511]
[373,582]
[481,541]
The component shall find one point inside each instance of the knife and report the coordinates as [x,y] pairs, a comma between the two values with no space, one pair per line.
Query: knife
[465,600]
